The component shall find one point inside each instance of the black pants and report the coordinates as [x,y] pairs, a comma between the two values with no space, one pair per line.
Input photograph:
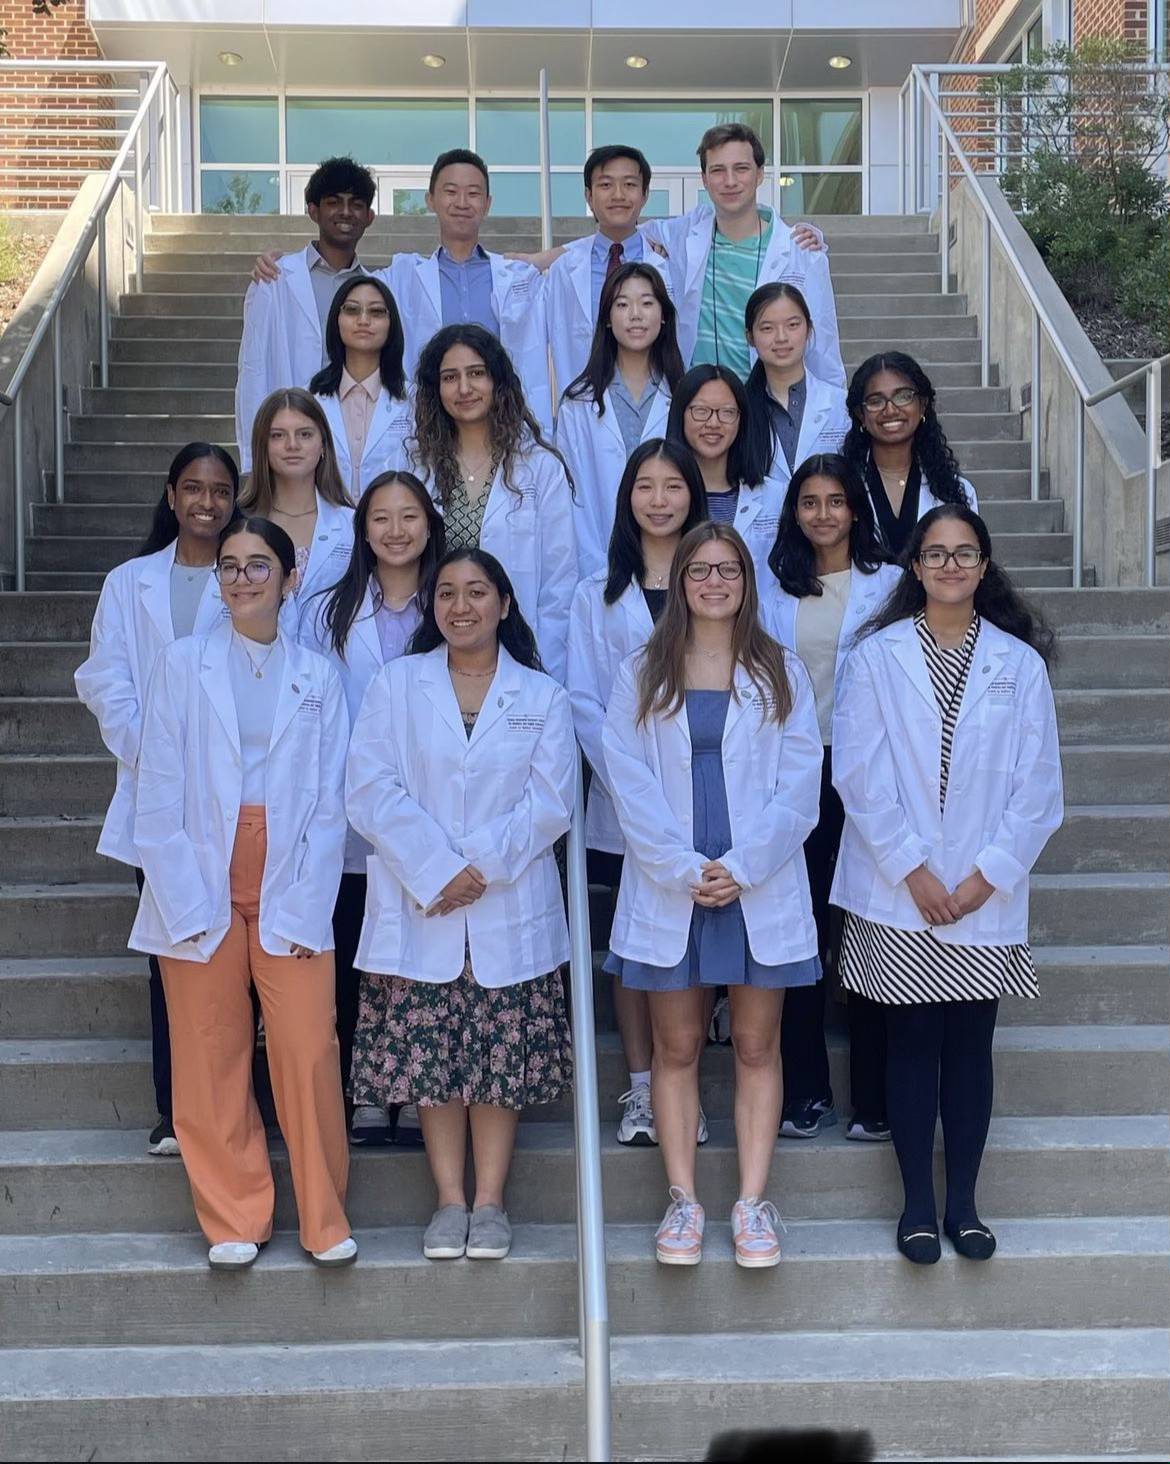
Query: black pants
[347,929]
[802,1027]
[160,1030]
[940,1061]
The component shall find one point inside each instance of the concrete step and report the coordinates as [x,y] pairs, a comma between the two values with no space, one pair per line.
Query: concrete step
[66,920]
[152,348]
[161,428]
[1071,909]
[63,1181]
[48,617]
[155,1290]
[1106,984]
[1108,661]
[75,997]
[1107,611]
[105,1082]
[1127,714]
[1098,840]
[112,457]
[35,724]
[1113,773]
[55,850]
[1102,1391]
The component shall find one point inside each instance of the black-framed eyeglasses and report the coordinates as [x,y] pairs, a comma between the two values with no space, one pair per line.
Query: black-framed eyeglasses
[726,415]
[966,556]
[905,396]
[256,572]
[699,569]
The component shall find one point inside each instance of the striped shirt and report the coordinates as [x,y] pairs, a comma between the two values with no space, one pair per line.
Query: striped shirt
[731,274]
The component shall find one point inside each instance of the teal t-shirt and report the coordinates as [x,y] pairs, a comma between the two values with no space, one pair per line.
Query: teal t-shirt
[728,281]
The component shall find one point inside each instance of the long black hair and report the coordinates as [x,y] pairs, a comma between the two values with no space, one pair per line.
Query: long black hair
[345,597]
[164,527]
[760,418]
[514,632]
[930,449]
[665,357]
[792,559]
[996,598]
[327,381]
[744,466]
[272,534]
[626,564]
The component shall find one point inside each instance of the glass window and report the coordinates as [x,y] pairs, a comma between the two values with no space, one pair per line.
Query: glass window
[820,132]
[819,193]
[239,193]
[657,204]
[508,132]
[403,201]
[238,130]
[373,130]
[517,195]
[669,132]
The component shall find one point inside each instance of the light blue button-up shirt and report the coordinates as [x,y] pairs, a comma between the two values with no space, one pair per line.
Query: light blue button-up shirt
[465,290]
[633,251]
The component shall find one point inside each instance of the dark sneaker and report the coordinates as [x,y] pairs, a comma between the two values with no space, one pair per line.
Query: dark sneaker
[868,1130]
[162,1139]
[370,1126]
[805,1118]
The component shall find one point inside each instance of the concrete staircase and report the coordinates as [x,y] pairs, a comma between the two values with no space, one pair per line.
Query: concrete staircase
[117,1342]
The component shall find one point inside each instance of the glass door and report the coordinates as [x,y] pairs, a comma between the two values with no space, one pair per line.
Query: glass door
[401,191]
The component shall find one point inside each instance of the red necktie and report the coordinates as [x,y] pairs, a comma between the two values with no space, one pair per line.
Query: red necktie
[614,260]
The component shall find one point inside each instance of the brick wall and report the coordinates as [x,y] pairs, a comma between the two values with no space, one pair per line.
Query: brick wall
[36,169]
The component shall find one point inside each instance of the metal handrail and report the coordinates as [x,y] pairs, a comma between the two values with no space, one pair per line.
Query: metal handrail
[922,85]
[161,91]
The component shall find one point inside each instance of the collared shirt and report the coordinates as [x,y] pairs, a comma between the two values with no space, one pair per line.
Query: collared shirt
[357,400]
[786,421]
[395,627]
[632,415]
[731,274]
[633,250]
[465,290]
[325,281]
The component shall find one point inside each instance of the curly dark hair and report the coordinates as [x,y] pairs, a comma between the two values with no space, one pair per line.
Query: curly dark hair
[511,425]
[930,449]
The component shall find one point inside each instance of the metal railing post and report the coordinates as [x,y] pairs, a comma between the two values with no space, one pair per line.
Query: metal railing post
[545,167]
[902,150]
[58,413]
[103,304]
[18,493]
[915,138]
[138,211]
[944,226]
[594,1314]
[985,307]
[1034,446]
[1079,497]
[1153,461]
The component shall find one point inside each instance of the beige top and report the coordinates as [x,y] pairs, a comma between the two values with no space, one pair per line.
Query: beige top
[357,400]
[818,630]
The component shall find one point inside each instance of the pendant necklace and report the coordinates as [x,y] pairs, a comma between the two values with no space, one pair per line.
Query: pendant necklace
[257,671]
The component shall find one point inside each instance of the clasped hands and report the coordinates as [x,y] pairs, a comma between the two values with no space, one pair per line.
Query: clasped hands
[464,889]
[940,906]
[716,887]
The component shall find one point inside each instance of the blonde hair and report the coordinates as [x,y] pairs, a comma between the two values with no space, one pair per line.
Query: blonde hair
[256,496]
[662,675]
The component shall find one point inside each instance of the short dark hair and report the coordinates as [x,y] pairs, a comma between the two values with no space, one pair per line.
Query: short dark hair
[730,132]
[340,175]
[602,155]
[455,155]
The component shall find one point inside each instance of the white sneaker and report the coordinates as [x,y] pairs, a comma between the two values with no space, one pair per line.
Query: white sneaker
[344,1253]
[232,1255]
[370,1125]
[637,1121]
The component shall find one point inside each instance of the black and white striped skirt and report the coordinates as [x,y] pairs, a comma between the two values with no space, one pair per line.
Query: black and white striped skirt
[900,967]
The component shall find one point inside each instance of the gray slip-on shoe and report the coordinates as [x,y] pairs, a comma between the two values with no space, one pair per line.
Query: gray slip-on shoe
[489,1237]
[445,1238]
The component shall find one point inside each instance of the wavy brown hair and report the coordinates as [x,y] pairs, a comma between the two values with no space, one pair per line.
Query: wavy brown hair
[662,675]
[257,494]
[511,425]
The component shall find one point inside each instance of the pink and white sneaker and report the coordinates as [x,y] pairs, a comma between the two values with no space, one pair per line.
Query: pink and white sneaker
[679,1240]
[753,1228]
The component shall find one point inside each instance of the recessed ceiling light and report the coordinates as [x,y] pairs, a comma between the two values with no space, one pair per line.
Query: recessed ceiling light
[839,63]
[637,63]
[786,180]
[230,58]
[433,61]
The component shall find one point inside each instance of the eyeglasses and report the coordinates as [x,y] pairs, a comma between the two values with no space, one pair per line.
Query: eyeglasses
[256,572]
[903,397]
[729,569]
[726,415]
[353,311]
[966,556]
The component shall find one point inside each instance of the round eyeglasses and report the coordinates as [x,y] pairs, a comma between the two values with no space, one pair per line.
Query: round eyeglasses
[256,572]
[700,414]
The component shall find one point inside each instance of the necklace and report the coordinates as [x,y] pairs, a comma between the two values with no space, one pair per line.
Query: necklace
[485,468]
[457,672]
[284,513]
[257,671]
[707,655]
[658,583]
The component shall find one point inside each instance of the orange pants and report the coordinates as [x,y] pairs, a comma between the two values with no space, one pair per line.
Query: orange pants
[216,1119]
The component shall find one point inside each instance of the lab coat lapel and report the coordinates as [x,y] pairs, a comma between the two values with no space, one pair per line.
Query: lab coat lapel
[816,411]
[379,422]
[363,637]
[581,279]
[297,682]
[211,607]
[747,698]
[435,682]
[216,681]
[501,694]
[633,602]
[331,406]
[154,590]
[297,267]
[659,412]
[991,651]
[497,492]
[609,422]
[427,276]
[907,652]
[698,247]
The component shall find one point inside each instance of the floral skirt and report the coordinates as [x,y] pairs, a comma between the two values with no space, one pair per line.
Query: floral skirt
[426,1043]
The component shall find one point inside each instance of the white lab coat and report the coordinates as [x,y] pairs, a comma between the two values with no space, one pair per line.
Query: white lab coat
[757,517]
[773,777]
[131,625]
[687,240]
[529,529]
[432,801]
[927,500]
[601,636]
[867,592]
[596,455]
[823,428]
[517,298]
[384,449]
[329,555]
[1004,793]
[188,799]
[568,290]
[281,344]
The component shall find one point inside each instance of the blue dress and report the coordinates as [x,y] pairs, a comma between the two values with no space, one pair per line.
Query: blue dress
[718,953]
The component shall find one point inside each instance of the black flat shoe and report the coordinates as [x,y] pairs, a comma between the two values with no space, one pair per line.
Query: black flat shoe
[919,1243]
[972,1242]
